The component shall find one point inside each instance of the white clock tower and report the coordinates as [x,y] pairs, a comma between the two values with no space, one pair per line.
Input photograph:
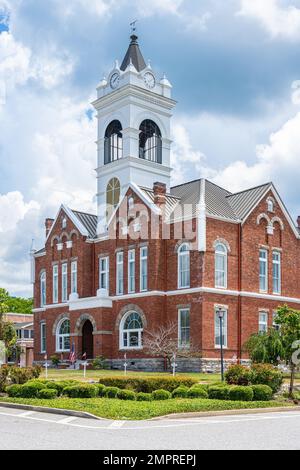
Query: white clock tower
[134,113]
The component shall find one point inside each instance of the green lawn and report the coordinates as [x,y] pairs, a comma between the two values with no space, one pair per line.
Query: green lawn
[127,410]
[54,374]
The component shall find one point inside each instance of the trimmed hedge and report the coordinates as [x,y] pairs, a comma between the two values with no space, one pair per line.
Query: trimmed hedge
[141,396]
[13,390]
[47,394]
[126,395]
[111,392]
[262,392]
[240,393]
[161,395]
[218,392]
[197,391]
[238,375]
[147,384]
[30,390]
[266,374]
[180,392]
[101,389]
[81,391]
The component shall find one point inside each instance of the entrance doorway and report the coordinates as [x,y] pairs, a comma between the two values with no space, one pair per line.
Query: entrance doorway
[88,340]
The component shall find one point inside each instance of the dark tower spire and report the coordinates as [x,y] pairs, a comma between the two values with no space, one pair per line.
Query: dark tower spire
[134,55]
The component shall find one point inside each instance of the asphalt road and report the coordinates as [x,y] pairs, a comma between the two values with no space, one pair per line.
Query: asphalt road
[24,430]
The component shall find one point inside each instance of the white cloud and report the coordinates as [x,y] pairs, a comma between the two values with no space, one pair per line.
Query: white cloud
[13,209]
[282,21]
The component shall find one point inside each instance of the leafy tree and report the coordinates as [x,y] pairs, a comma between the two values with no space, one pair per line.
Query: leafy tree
[7,331]
[265,348]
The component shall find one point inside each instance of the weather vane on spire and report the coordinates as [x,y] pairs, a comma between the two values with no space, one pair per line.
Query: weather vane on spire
[133,26]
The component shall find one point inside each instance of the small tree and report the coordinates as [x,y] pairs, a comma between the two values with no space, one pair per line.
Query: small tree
[163,342]
[7,331]
[288,320]
[265,348]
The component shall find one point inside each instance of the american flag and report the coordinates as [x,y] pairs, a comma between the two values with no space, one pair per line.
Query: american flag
[72,357]
[84,356]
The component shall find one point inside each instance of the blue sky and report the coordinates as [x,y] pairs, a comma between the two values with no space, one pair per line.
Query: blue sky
[235,70]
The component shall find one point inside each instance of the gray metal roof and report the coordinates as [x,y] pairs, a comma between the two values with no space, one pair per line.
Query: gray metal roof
[171,200]
[89,221]
[134,55]
[243,201]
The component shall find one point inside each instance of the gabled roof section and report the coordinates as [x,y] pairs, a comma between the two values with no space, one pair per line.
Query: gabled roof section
[171,201]
[244,201]
[134,56]
[89,221]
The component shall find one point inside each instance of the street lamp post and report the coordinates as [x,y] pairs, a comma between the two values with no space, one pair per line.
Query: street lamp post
[221,317]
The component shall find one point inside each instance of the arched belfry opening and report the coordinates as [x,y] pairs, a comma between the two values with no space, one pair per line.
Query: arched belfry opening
[150,144]
[88,339]
[113,143]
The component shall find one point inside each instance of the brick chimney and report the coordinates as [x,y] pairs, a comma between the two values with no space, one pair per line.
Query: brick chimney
[48,225]
[159,190]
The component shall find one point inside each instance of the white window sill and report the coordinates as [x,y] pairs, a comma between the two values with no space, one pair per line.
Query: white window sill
[138,348]
[221,287]
[184,287]
[219,347]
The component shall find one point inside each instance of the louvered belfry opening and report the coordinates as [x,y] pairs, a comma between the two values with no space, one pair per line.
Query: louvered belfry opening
[150,142]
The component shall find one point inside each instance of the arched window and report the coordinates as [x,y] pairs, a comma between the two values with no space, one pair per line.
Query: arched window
[270,205]
[43,288]
[184,266]
[63,336]
[221,266]
[150,142]
[113,143]
[113,192]
[131,331]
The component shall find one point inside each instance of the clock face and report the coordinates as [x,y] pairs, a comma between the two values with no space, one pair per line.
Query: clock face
[115,80]
[149,80]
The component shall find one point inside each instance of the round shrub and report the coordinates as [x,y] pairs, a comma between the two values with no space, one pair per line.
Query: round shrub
[262,392]
[13,390]
[141,396]
[81,391]
[47,394]
[111,392]
[240,393]
[161,395]
[180,392]
[58,386]
[266,374]
[31,390]
[238,375]
[101,389]
[126,395]
[197,392]
[218,392]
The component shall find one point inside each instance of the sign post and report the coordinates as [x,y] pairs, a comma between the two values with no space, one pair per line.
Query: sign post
[125,364]
[46,366]
[84,364]
[174,365]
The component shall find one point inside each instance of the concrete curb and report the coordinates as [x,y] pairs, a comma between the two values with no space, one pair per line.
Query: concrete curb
[57,411]
[210,414]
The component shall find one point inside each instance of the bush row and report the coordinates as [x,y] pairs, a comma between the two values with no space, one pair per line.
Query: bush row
[50,390]
[147,384]
[258,374]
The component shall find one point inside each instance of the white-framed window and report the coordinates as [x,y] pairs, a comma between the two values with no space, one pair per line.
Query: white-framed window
[274,324]
[104,273]
[144,269]
[263,322]
[131,331]
[276,272]
[131,271]
[270,205]
[74,277]
[221,266]
[55,283]
[43,337]
[184,266]
[120,273]
[63,336]
[184,328]
[64,282]
[218,329]
[263,270]
[43,288]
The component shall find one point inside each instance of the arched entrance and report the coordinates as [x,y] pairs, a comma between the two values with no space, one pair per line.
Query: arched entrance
[88,339]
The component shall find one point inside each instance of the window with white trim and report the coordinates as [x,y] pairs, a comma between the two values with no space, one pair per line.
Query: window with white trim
[144,269]
[104,273]
[218,329]
[270,205]
[43,337]
[184,266]
[131,271]
[274,324]
[120,273]
[276,258]
[131,331]
[43,288]
[74,277]
[64,282]
[263,270]
[184,328]
[55,283]
[263,322]
[221,266]
[63,336]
